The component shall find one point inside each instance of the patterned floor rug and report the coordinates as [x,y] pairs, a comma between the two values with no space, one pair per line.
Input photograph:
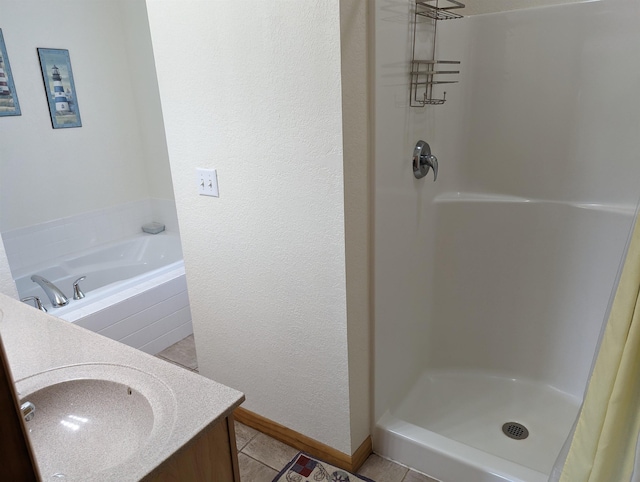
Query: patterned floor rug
[304,468]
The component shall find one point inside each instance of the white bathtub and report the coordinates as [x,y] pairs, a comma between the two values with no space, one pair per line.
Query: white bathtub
[135,290]
[518,296]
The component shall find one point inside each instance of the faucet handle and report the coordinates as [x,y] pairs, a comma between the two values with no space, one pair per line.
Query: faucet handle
[77,292]
[433,162]
[36,302]
[28,410]
[423,160]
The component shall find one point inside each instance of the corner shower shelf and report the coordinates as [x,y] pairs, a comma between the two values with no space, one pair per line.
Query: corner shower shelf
[423,72]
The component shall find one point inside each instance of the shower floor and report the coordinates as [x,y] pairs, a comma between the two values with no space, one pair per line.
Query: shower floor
[470,408]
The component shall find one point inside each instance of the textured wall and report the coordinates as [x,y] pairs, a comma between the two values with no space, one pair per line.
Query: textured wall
[254,90]
[50,173]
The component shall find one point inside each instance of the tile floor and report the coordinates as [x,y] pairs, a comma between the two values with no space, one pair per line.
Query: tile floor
[262,457]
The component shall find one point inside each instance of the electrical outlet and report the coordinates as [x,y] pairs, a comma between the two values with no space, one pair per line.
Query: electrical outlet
[207,182]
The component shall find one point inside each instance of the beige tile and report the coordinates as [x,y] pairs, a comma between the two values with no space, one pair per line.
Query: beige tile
[382,470]
[416,477]
[254,471]
[269,451]
[183,353]
[243,434]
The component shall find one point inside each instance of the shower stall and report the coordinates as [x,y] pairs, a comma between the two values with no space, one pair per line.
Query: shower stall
[492,283]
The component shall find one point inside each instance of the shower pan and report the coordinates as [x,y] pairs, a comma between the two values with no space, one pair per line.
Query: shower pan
[492,284]
[516,307]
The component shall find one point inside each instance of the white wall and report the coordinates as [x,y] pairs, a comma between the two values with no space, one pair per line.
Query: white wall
[144,81]
[545,109]
[494,6]
[254,90]
[47,174]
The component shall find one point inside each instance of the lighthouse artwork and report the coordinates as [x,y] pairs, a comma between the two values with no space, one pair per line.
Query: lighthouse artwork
[59,87]
[62,104]
[4,82]
[8,99]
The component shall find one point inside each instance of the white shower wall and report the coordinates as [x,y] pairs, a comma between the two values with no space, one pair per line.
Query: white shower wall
[545,111]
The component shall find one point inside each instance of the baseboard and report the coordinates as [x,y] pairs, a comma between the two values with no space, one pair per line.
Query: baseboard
[305,444]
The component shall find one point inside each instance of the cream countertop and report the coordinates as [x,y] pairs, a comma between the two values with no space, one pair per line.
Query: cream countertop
[36,342]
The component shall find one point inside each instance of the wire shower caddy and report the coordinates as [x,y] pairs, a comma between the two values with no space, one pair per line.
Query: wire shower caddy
[424,72]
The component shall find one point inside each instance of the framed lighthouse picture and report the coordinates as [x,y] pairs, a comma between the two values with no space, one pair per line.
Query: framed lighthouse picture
[8,98]
[60,88]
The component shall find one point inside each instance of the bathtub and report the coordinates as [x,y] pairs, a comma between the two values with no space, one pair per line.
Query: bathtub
[135,289]
[517,294]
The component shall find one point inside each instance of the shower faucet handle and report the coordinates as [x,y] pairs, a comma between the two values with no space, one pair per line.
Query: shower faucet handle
[77,292]
[423,160]
[433,162]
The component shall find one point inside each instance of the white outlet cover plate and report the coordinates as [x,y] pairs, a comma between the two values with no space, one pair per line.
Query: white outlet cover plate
[207,182]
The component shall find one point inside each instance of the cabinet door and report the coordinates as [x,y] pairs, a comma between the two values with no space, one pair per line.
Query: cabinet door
[210,457]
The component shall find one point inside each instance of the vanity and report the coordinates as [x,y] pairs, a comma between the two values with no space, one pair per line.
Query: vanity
[105,411]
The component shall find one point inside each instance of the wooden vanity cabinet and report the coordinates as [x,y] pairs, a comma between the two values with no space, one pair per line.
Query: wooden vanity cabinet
[210,457]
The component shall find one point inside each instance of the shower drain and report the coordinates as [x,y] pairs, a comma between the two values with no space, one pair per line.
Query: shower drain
[515,430]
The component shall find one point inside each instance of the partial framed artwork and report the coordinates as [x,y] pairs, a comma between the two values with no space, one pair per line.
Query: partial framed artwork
[60,88]
[9,104]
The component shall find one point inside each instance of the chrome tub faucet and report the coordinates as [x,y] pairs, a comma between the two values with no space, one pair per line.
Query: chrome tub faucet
[56,296]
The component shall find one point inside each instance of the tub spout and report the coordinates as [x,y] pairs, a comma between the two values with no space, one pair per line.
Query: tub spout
[56,296]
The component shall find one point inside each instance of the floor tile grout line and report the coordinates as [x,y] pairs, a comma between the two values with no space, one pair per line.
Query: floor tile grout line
[409,470]
[405,475]
[261,462]
[247,443]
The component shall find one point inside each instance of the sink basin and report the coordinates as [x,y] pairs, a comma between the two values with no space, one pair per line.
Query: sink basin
[92,420]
